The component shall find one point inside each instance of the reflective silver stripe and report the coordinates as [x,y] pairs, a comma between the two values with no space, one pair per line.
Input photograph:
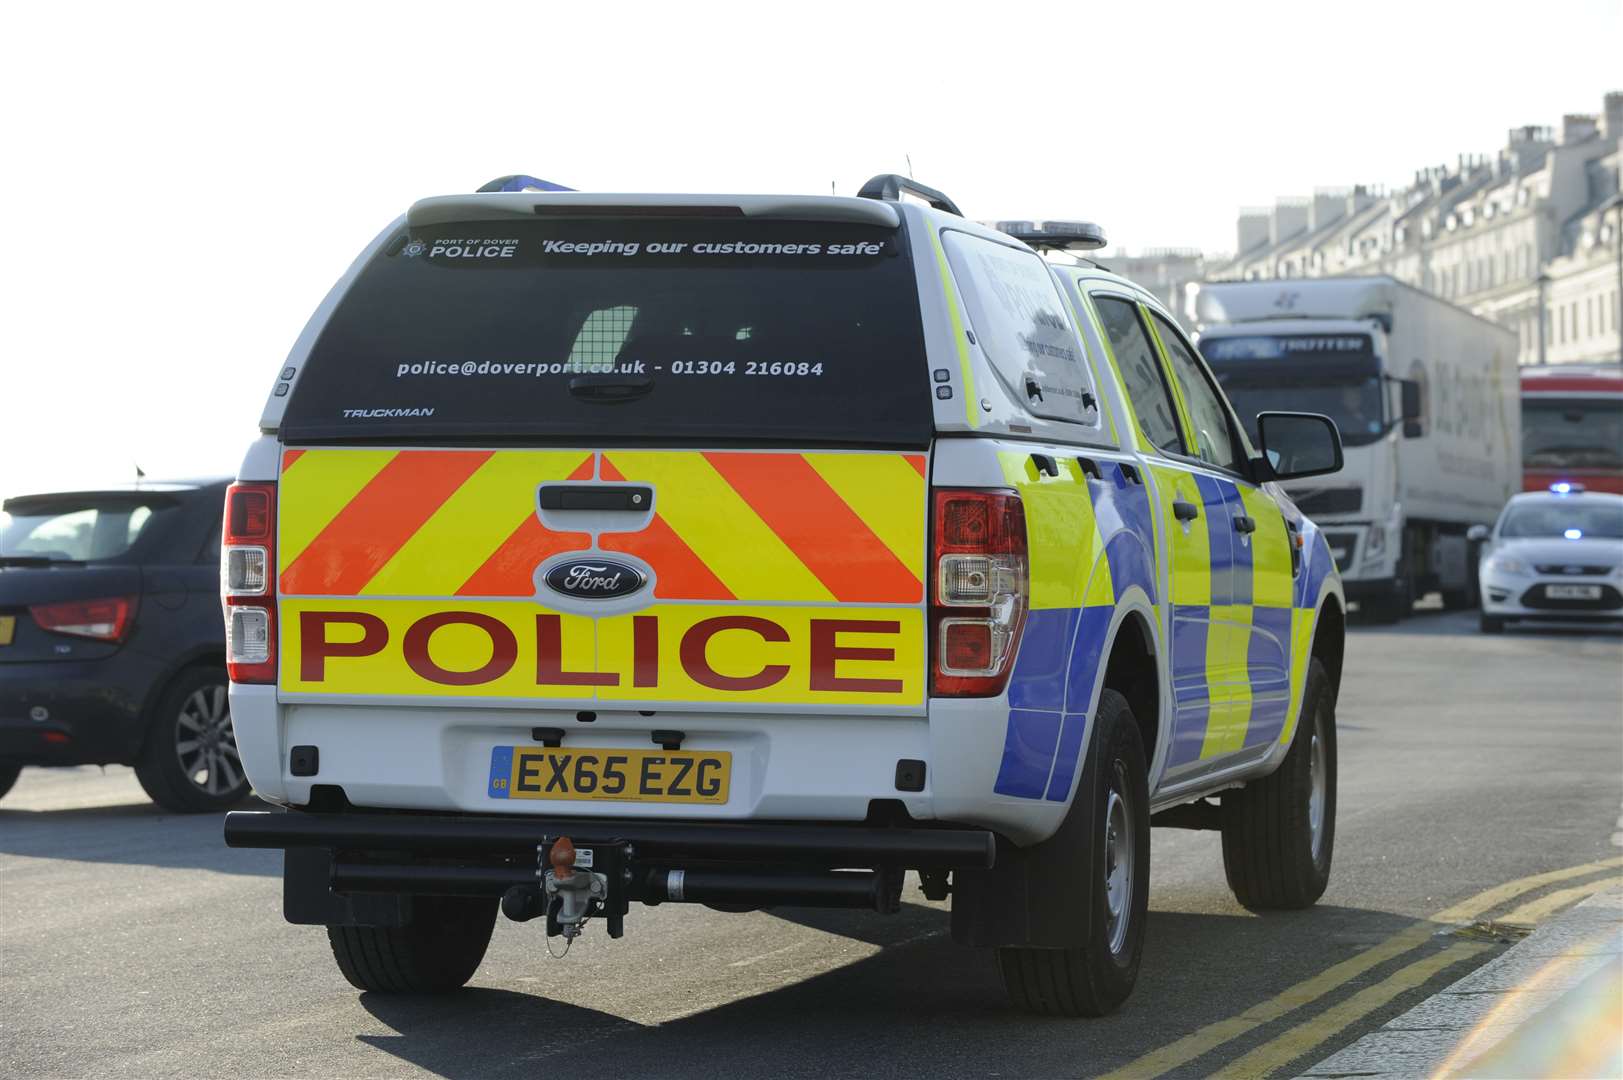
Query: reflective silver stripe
[673,884]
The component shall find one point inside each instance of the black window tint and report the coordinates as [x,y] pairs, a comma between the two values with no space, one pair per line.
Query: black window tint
[625,328]
[1214,437]
[1141,371]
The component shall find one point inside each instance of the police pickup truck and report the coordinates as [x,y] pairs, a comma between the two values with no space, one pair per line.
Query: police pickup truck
[752,551]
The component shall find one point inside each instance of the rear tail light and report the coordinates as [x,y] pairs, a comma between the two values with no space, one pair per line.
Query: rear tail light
[248,583]
[980,591]
[103,620]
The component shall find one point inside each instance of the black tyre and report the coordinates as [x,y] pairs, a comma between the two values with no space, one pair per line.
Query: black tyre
[8,776]
[1491,624]
[439,951]
[189,763]
[1095,979]
[1279,832]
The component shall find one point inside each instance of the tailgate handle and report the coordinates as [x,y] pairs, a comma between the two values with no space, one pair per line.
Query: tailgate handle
[634,498]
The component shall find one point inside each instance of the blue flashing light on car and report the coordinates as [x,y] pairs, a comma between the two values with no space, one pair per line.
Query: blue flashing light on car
[1574,534]
[1567,487]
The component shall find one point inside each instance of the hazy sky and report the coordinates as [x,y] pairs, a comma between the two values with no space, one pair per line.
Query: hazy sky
[185,182]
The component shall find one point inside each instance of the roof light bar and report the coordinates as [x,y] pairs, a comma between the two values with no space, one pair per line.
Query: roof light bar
[1055,235]
[1567,487]
[520,182]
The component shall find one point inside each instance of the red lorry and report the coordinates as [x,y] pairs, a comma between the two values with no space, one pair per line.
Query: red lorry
[1572,426]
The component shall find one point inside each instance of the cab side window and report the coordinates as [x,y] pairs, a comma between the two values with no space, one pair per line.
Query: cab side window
[1140,372]
[1214,435]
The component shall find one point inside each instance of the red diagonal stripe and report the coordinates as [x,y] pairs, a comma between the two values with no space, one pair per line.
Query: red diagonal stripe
[365,534]
[510,570]
[679,573]
[917,461]
[819,527]
[289,457]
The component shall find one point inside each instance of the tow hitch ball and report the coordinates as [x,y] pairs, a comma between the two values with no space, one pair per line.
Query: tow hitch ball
[574,889]
[571,888]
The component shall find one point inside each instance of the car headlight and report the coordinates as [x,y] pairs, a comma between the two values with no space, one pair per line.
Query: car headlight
[1506,564]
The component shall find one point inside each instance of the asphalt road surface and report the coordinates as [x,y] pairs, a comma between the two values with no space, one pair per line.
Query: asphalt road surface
[1481,779]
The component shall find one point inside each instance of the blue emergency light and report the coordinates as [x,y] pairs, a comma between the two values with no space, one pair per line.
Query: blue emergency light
[1567,487]
[520,182]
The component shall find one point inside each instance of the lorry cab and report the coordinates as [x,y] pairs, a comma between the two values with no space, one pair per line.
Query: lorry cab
[1423,393]
[754,551]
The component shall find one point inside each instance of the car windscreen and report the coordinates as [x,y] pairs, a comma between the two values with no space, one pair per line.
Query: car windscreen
[624,329]
[1333,374]
[1565,517]
[1572,433]
[76,528]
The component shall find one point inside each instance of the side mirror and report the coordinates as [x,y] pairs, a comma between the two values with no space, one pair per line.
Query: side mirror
[1478,533]
[1295,445]
[1414,412]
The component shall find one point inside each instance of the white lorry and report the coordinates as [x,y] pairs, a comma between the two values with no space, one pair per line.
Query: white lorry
[1425,395]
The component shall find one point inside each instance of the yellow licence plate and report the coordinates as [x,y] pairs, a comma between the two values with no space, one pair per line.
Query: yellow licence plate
[8,628]
[603,775]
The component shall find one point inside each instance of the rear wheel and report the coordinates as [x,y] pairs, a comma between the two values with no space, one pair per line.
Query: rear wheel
[1279,832]
[189,763]
[1095,979]
[438,951]
[1491,624]
[8,776]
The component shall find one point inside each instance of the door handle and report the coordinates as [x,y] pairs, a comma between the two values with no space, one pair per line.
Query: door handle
[1185,511]
[1045,464]
[1244,523]
[596,497]
[1090,467]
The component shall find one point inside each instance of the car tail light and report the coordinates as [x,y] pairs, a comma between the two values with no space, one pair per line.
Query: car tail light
[104,620]
[979,590]
[248,582]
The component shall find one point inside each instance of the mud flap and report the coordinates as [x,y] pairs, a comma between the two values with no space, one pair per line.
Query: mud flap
[1039,895]
[308,899]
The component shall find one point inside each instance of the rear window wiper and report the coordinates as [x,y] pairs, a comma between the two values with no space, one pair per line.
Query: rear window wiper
[37,560]
[610,389]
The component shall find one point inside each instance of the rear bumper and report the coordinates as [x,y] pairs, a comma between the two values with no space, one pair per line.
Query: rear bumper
[75,712]
[444,835]
[357,868]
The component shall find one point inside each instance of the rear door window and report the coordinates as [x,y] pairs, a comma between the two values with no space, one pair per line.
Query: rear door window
[1019,314]
[710,329]
[1140,372]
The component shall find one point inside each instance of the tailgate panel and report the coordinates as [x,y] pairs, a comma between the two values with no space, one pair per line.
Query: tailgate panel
[774,578]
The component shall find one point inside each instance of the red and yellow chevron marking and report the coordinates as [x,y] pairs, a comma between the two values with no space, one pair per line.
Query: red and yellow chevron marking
[729,525]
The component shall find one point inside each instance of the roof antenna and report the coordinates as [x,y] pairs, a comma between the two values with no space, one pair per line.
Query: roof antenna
[832,190]
[140,474]
[909,158]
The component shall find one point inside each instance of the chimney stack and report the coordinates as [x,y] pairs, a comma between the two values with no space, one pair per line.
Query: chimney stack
[1612,116]
[1576,127]
[1251,230]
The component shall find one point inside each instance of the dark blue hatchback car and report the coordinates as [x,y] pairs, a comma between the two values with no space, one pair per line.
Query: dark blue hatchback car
[112,647]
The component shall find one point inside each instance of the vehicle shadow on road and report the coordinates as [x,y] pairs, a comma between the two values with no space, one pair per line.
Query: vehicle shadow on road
[136,834]
[920,1006]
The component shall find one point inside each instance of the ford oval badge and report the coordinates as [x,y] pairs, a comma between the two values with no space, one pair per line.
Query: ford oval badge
[595,579]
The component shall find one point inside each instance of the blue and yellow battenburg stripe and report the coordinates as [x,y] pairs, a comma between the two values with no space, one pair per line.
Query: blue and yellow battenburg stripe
[1242,622]
[1090,541]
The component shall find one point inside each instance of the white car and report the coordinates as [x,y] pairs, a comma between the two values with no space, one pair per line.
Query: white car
[1553,555]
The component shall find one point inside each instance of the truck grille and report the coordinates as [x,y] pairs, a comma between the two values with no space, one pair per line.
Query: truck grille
[1342,500]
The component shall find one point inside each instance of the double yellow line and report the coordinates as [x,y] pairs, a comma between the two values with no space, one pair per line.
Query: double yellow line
[1304,1037]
